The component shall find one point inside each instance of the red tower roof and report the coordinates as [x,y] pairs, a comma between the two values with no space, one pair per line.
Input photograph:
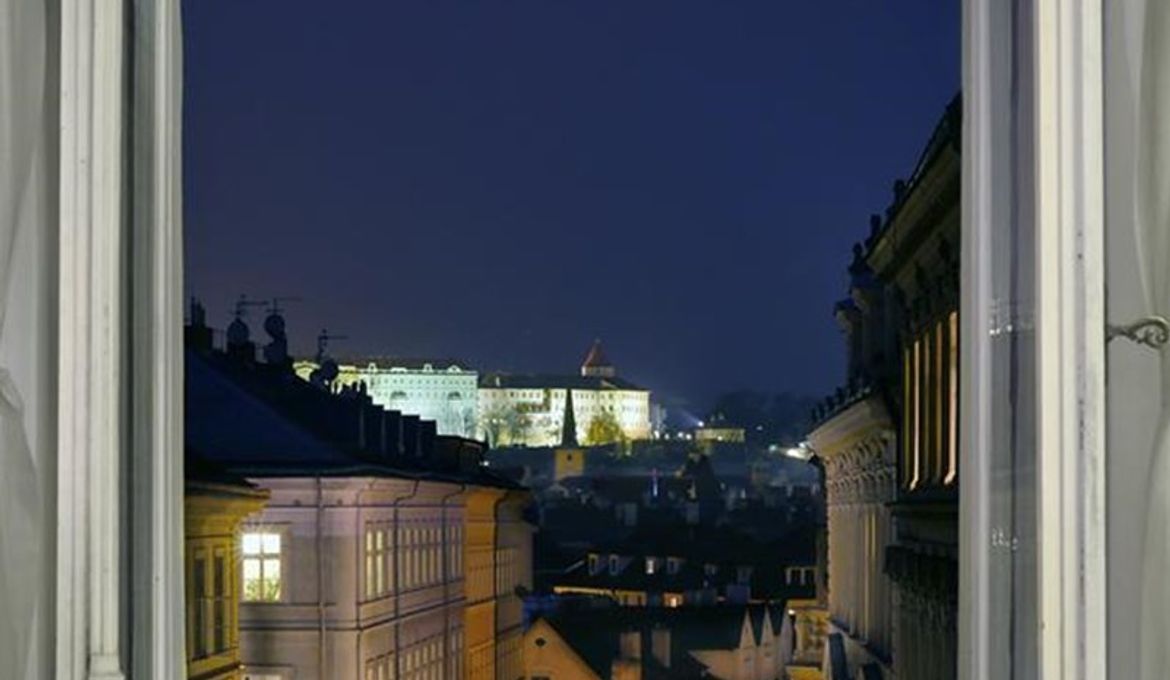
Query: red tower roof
[596,363]
[596,357]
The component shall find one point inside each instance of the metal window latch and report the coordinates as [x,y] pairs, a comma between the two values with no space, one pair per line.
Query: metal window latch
[1152,331]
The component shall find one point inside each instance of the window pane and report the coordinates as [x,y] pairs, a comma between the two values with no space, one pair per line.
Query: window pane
[271,544]
[251,544]
[252,579]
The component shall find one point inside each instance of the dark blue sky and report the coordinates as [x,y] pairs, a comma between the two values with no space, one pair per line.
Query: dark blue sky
[506,180]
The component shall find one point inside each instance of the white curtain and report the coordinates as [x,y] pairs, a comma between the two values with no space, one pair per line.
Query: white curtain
[1153,237]
[22,110]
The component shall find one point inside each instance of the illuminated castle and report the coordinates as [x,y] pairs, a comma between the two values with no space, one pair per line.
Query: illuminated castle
[529,410]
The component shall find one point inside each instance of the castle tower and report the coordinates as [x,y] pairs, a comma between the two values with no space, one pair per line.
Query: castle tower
[596,365]
[569,457]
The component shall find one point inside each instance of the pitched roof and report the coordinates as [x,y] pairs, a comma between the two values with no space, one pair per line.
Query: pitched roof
[255,420]
[596,357]
[438,364]
[537,381]
[595,634]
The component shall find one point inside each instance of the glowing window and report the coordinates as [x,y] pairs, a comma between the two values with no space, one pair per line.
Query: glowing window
[915,411]
[261,563]
[377,559]
[953,401]
[937,463]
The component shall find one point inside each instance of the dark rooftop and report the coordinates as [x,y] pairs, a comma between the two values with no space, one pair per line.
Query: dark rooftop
[531,381]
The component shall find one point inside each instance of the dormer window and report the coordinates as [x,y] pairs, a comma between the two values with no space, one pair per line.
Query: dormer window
[673,564]
[651,566]
[614,565]
[710,569]
[743,574]
[594,564]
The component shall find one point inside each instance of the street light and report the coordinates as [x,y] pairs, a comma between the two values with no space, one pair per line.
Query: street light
[802,451]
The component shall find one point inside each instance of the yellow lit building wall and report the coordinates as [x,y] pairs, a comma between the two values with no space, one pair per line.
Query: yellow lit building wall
[568,463]
[213,515]
[479,585]
[547,655]
[931,392]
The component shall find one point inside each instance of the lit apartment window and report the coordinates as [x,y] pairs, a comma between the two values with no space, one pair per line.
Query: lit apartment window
[199,616]
[261,559]
[219,605]
[377,561]
[651,565]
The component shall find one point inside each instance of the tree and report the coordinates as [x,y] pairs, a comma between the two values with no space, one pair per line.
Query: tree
[604,429]
[504,425]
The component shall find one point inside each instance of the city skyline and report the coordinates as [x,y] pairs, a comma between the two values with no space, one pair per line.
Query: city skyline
[504,184]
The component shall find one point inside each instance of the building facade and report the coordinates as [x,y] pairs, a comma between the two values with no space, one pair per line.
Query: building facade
[889,438]
[376,555]
[528,410]
[440,390]
[214,508]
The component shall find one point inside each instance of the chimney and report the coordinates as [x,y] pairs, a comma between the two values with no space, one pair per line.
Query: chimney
[393,428]
[410,437]
[427,431]
[660,645]
[372,435]
[198,333]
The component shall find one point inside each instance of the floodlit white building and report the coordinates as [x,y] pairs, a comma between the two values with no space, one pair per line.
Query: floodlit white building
[441,390]
[528,410]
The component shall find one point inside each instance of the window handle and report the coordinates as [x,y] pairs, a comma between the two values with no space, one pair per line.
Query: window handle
[1152,331]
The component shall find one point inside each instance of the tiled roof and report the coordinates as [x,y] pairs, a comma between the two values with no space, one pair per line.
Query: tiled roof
[595,634]
[439,364]
[596,357]
[252,419]
[526,381]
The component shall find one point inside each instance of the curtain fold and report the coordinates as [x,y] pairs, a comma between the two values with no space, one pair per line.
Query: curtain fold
[1153,238]
[23,47]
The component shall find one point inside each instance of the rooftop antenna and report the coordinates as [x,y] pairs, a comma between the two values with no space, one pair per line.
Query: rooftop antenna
[276,352]
[275,307]
[237,331]
[244,303]
[323,342]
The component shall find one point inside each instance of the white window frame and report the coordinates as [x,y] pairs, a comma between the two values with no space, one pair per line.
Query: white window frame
[283,558]
[1061,48]
[96,613]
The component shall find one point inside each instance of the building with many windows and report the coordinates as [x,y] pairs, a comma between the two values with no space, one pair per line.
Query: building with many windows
[528,410]
[441,390]
[384,551]
[889,438]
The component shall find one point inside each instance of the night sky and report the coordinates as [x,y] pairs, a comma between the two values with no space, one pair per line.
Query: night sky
[504,181]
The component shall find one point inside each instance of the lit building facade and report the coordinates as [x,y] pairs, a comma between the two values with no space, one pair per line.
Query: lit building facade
[528,410]
[889,438]
[214,508]
[439,390]
[382,544]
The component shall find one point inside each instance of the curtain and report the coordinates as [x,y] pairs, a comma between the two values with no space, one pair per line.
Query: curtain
[1153,238]
[22,110]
